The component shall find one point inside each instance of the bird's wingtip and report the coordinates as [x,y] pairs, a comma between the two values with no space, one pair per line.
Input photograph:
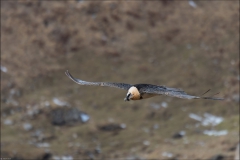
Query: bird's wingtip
[67,73]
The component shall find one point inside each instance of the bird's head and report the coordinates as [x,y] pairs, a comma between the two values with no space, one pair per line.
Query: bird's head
[133,94]
[128,97]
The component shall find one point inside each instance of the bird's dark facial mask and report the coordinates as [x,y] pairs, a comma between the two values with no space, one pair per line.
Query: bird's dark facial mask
[127,97]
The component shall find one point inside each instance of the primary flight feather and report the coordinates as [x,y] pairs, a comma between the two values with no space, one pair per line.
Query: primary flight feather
[142,91]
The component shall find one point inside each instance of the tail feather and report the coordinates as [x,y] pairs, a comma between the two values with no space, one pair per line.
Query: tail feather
[212,98]
[206,92]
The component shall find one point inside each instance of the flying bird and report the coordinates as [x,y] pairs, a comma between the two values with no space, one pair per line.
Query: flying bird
[143,91]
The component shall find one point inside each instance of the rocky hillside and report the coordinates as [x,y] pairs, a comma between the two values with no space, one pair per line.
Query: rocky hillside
[192,45]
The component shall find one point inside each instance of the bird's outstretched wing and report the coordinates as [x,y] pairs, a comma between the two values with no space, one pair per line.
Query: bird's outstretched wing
[173,92]
[107,84]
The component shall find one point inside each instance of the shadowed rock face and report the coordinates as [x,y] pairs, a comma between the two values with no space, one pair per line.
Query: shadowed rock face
[218,157]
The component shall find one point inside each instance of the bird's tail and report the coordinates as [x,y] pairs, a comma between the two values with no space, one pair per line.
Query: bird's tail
[211,97]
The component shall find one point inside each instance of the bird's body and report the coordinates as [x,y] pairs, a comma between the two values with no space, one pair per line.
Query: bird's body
[142,91]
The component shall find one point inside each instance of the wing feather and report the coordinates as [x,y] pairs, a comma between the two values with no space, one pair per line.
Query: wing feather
[107,84]
[173,92]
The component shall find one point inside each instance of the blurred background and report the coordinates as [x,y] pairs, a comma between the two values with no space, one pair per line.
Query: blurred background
[192,45]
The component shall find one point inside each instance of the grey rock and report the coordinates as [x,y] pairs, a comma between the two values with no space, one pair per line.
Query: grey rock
[155,126]
[98,150]
[236,98]
[84,117]
[46,156]
[43,145]
[8,122]
[27,126]
[179,135]
[64,116]
[3,69]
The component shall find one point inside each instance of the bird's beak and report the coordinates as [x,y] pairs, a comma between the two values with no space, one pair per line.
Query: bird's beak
[127,97]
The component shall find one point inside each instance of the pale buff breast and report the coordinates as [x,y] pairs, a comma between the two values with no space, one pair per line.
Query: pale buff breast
[136,94]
